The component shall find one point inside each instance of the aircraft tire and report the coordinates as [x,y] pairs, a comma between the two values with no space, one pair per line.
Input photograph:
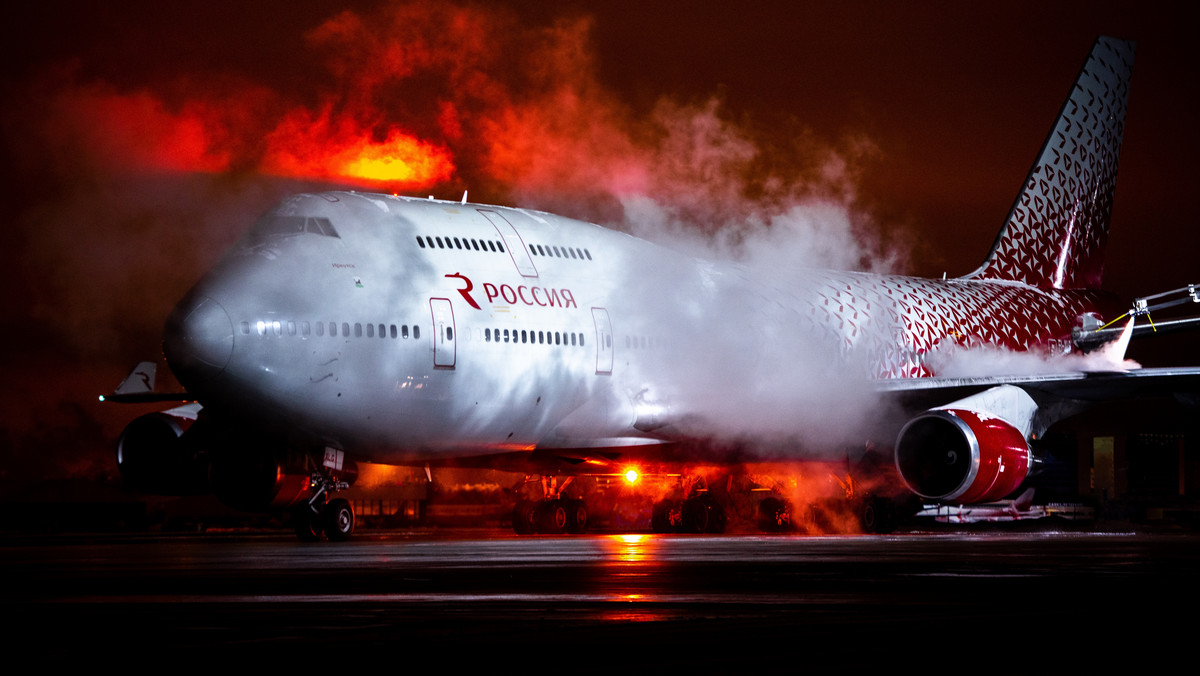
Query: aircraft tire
[524,518]
[717,520]
[695,516]
[661,517]
[877,515]
[771,513]
[577,516]
[552,517]
[307,524]
[339,520]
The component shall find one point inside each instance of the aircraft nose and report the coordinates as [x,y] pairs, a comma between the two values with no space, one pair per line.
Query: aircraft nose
[198,339]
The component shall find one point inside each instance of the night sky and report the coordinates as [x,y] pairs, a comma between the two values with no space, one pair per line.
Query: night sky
[140,139]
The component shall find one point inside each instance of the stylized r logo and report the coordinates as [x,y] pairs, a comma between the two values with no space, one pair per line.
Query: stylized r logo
[466,291]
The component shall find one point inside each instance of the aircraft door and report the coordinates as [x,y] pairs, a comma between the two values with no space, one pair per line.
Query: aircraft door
[444,340]
[604,341]
[512,240]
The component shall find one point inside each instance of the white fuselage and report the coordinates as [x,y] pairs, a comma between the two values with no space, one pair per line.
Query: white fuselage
[403,328]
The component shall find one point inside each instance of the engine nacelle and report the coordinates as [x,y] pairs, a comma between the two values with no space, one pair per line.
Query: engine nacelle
[256,478]
[162,454]
[154,458]
[962,456]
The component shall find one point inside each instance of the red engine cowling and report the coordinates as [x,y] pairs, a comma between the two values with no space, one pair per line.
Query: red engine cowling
[961,456]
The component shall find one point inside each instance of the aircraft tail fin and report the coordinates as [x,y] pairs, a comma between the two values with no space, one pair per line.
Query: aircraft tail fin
[138,387]
[1058,227]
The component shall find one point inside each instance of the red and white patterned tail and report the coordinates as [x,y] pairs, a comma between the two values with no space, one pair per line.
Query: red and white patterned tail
[1057,230]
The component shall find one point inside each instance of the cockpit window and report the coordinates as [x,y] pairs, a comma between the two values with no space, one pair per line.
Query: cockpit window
[275,225]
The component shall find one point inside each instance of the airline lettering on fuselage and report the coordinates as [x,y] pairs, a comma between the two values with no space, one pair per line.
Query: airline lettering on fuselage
[530,295]
[527,295]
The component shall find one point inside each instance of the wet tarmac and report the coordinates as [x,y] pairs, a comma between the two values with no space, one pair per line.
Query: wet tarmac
[973,603]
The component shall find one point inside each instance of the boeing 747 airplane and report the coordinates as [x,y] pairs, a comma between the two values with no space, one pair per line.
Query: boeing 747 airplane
[348,328]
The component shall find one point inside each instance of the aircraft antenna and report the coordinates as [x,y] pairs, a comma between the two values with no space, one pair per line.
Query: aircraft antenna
[464,199]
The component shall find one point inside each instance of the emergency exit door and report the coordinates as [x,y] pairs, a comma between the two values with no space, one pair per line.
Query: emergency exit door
[444,341]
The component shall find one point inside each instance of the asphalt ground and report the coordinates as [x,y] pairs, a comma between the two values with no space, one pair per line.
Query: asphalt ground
[993,602]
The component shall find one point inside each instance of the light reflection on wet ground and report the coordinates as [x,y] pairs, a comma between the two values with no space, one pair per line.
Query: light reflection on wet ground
[494,591]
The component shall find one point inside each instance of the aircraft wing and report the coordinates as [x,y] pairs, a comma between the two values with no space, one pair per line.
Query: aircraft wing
[1081,386]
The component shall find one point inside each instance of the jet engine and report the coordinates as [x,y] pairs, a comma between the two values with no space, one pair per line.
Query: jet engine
[971,451]
[257,478]
[163,454]
[154,458]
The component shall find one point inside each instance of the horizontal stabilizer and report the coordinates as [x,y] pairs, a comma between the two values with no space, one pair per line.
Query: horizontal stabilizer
[138,387]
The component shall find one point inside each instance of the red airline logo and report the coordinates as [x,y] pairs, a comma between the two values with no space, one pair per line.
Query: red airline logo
[528,295]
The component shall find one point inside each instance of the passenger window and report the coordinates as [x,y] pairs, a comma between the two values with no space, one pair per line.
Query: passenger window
[370,330]
[291,328]
[245,328]
[449,333]
[304,330]
[417,332]
[404,332]
[346,329]
[393,327]
[320,328]
[357,330]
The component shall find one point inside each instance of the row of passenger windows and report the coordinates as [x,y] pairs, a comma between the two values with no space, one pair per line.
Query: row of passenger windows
[560,252]
[534,337]
[455,243]
[404,332]
[642,342]
[304,329]
[427,242]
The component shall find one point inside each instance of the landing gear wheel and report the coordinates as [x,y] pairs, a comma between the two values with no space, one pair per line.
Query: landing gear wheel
[666,517]
[577,516]
[524,518]
[878,515]
[695,516]
[773,515]
[307,524]
[716,518]
[339,520]
[552,517]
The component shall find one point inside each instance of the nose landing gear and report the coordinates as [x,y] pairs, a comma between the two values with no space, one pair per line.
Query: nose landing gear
[318,516]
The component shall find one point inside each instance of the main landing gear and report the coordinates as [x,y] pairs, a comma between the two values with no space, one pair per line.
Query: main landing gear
[317,516]
[554,513]
[697,512]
